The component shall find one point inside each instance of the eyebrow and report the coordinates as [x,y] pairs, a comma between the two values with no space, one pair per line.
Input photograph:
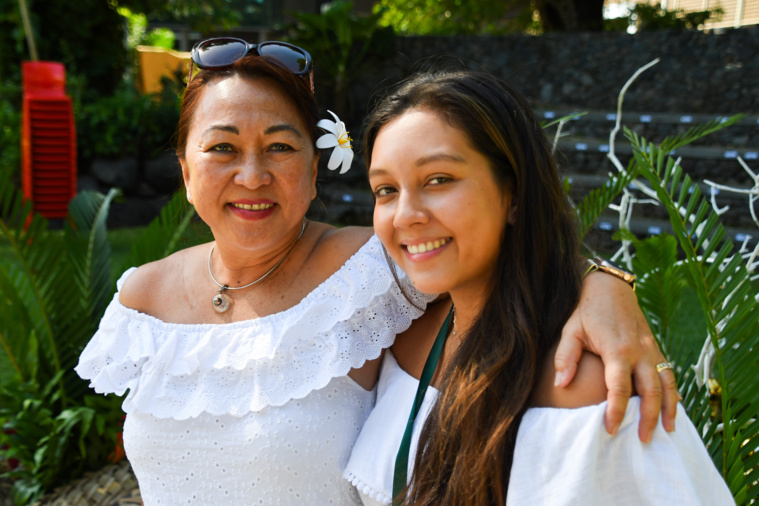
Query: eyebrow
[223,128]
[439,157]
[283,128]
[271,130]
[423,161]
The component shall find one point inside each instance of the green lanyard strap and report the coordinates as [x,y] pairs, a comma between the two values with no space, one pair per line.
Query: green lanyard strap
[401,460]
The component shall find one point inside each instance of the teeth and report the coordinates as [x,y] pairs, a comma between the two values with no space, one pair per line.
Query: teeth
[252,207]
[425,247]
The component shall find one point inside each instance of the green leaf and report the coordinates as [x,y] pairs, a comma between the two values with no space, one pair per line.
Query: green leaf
[30,273]
[722,286]
[599,199]
[162,236]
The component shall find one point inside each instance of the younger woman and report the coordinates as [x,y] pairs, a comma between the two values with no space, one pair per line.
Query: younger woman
[468,202]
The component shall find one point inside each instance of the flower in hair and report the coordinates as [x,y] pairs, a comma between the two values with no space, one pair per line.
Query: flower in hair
[337,138]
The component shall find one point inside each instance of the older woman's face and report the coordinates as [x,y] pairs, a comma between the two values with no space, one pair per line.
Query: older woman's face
[250,164]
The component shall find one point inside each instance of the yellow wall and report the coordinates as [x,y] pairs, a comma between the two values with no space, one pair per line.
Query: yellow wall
[156,62]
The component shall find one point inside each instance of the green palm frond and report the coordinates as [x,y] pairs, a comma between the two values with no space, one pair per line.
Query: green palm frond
[89,251]
[28,276]
[599,199]
[88,288]
[697,132]
[725,408]
[595,202]
[563,119]
[162,236]
[668,300]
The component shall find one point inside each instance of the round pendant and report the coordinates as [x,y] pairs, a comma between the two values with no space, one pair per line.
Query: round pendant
[221,303]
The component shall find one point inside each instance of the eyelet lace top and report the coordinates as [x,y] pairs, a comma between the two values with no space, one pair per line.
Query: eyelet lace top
[252,409]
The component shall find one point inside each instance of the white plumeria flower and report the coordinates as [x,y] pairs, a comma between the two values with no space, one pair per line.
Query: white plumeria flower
[337,138]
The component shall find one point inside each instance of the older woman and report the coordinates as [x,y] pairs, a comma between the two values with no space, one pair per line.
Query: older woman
[250,361]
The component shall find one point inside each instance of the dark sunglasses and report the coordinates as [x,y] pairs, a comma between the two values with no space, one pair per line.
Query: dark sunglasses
[222,52]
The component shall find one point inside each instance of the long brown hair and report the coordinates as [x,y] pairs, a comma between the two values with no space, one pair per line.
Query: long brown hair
[467,444]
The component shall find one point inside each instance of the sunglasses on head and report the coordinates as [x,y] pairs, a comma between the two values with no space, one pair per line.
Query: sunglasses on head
[222,52]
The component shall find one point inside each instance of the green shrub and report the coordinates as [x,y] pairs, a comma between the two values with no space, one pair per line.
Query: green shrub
[343,45]
[695,271]
[10,128]
[55,286]
[128,123]
[645,16]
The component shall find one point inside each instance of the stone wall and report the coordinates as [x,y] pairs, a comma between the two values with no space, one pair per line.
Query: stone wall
[699,76]
[698,72]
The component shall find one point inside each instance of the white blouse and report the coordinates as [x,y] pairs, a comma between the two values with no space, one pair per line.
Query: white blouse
[562,456]
[253,412]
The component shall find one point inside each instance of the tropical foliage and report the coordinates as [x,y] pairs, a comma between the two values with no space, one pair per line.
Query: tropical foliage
[644,16]
[88,35]
[455,17]
[343,45]
[697,270]
[10,125]
[54,288]
[129,123]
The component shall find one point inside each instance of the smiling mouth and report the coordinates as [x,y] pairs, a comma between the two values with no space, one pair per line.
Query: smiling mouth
[252,207]
[426,247]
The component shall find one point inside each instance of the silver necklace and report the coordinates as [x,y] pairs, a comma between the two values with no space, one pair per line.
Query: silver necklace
[221,300]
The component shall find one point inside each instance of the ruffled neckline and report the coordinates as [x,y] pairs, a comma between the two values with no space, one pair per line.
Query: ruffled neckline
[178,370]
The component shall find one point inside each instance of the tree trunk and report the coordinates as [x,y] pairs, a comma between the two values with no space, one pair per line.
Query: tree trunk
[571,15]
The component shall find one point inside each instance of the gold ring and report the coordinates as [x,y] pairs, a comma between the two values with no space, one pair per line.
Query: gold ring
[663,366]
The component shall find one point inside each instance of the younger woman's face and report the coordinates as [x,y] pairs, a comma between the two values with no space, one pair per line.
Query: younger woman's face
[439,211]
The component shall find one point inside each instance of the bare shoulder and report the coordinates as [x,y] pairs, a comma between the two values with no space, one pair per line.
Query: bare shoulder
[144,289]
[587,388]
[345,240]
[336,245]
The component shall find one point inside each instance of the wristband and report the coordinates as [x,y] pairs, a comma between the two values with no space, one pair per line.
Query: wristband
[599,264]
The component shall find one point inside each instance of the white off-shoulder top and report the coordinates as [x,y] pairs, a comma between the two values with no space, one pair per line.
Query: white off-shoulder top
[253,412]
[562,456]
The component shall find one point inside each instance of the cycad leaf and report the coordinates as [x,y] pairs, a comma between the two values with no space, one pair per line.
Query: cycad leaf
[90,250]
[17,335]
[660,286]
[697,132]
[30,269]
[161,237]
[595,202]
[730,310]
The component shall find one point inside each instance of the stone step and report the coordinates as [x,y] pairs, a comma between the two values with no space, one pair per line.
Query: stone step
[697,162]
[655,127]
[629,117]
[600,237]
[623,147]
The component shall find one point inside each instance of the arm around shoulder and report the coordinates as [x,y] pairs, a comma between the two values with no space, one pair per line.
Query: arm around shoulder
[564,456]
[587,388]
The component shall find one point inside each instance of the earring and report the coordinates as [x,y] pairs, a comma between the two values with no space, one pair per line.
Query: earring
[189,197]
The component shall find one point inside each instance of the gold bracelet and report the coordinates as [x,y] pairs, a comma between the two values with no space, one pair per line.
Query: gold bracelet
[599,264]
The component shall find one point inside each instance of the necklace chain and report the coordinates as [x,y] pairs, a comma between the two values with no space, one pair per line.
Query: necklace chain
[453,328]
[221,301]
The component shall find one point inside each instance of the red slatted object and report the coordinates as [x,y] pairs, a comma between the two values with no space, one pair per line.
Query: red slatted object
[48,139]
